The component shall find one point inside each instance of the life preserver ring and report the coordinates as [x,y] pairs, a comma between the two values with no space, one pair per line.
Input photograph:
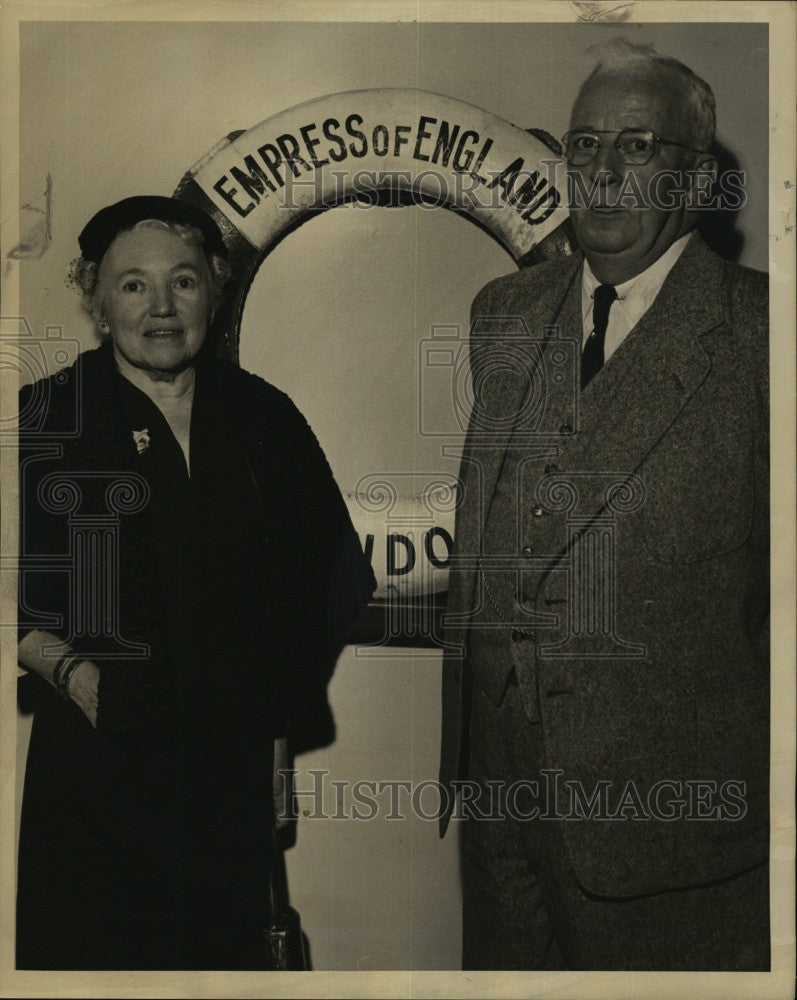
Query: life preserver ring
[399,146]
[261,183]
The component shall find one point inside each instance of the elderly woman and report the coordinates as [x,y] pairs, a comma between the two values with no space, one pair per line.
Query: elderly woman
[188,566]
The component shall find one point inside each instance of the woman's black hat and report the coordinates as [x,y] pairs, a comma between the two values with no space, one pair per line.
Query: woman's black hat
[105,226]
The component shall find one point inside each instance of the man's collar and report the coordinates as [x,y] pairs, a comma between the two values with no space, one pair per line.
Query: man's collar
[651,279]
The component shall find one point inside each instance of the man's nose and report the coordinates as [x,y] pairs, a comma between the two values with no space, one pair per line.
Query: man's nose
[607,167]
[162,301]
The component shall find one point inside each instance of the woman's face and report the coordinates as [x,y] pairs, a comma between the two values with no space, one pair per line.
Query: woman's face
[155,294]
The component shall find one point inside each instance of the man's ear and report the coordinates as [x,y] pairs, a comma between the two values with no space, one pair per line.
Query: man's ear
[700,180]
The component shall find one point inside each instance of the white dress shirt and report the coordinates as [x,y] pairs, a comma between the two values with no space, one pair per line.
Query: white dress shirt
[634,297]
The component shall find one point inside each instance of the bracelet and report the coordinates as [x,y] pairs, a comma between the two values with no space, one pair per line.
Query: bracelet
[65,675]
[62,662]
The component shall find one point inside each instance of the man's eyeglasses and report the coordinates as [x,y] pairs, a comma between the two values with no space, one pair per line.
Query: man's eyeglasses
[636,145]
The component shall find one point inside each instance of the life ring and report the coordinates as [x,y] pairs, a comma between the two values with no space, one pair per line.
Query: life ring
[389,146]
[262,183]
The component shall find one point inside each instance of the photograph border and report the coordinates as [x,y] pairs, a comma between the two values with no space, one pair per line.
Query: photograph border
[779,983]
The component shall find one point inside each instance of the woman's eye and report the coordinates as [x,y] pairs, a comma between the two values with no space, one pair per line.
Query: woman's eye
[132,286]
[185,282]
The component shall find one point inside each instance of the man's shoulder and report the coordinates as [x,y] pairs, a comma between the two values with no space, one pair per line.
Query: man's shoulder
[521,289]
[739,279]
[747,286]
[744,293]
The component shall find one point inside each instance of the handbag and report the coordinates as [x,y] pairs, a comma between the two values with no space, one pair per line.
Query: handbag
[284,937]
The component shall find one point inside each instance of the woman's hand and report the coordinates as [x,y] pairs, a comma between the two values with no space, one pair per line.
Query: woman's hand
[82,689]
[84,679]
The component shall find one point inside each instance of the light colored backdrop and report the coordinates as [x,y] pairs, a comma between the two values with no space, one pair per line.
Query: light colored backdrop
[334,318]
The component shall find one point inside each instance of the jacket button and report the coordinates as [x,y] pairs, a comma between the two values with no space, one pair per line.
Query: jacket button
[538,512]
[566,429]
[518,636]
[526,550]
[551,468]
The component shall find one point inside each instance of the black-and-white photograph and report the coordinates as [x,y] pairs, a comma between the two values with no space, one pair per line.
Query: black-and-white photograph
[398,555]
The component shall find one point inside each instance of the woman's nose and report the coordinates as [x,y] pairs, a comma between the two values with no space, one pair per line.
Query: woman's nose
[162,301]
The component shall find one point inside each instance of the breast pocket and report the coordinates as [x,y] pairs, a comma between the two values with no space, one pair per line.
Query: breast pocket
[698,491]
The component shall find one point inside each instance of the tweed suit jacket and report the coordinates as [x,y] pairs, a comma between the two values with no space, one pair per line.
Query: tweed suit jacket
[664,696]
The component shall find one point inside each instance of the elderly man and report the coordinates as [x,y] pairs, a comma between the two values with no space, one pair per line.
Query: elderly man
[609,727]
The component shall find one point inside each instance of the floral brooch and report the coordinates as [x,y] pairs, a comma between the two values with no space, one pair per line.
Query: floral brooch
[141,439]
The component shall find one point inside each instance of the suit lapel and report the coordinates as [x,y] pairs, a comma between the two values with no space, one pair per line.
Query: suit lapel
[516,339]
[633,400]
[626,409]
[527,381]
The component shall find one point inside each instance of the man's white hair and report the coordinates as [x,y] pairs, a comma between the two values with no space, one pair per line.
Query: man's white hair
[699,112]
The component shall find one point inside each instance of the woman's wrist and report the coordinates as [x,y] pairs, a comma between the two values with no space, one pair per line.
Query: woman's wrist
[63,671]
[83,686]
[72,675]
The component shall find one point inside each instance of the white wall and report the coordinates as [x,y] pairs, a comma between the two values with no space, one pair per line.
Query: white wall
[334,318]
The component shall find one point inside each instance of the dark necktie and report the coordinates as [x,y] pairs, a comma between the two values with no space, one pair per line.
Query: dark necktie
[592,356]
